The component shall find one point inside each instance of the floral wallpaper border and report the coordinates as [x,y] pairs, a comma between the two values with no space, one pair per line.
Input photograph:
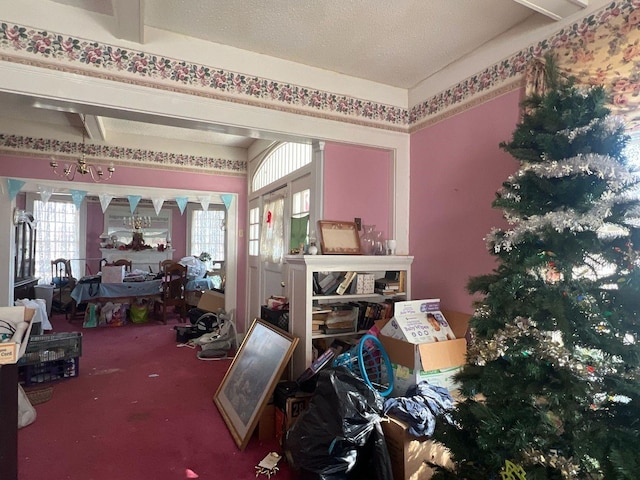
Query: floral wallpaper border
[62,52]
[64,150]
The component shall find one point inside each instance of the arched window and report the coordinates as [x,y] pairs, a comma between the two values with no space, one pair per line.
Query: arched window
[283,160]
[271,243]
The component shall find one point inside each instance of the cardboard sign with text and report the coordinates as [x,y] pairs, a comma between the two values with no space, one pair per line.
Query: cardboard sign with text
[419,321]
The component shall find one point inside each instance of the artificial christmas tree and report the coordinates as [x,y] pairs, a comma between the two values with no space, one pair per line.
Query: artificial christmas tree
[551,387]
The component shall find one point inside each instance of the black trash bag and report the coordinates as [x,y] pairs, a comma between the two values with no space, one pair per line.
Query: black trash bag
[339,437]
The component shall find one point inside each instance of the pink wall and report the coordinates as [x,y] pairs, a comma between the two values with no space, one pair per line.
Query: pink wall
[38,168]
[456,168]
[357,183]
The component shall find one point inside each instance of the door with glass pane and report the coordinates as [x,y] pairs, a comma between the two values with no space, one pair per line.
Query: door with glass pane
[278,226]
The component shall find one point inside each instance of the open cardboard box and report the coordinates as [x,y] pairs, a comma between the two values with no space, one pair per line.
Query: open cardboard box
[211,301]
[435,362]
[20,318]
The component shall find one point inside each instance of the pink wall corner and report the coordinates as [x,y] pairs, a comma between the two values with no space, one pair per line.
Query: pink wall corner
[456,169]
[357,183]
[38,168]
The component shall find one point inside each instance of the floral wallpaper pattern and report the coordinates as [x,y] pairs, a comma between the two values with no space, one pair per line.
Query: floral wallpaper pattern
[594,45]
[617,22]
[605,50]
[121,154]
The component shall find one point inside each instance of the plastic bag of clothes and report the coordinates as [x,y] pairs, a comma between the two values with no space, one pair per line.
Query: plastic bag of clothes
[339,435]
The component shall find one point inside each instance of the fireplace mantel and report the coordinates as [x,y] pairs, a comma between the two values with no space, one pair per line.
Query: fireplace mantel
[147,260]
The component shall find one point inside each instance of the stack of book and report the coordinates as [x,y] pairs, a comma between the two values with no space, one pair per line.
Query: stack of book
[387,286]
[341,318]
[334,283]
[318,318]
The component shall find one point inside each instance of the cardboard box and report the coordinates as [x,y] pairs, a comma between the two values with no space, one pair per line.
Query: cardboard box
[112,274]
[284,419]
[409,454]
[267,423]
[435,362]
[20,317]
[211,301]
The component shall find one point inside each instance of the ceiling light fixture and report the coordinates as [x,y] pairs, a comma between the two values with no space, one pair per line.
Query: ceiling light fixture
[95,171]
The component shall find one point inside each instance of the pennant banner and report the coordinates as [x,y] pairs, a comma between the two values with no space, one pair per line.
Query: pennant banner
[105,200]
[133,202]
[204,201]
[157,204]
[182,203]
[226,198]
[45,193]
[14,187]
[78,196]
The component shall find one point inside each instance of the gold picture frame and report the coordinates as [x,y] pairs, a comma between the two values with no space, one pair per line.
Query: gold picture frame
[251,379]
[339,238]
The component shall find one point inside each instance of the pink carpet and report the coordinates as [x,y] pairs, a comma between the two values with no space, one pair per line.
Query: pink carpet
[140,408]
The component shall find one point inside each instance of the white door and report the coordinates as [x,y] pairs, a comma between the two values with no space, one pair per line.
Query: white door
[277,210]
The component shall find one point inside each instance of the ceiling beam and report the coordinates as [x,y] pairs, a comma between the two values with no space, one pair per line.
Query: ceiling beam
[94,127]
[129,16]
[555,9]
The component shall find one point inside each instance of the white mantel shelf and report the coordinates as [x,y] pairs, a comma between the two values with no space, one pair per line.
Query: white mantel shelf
[140,259]
[336,263]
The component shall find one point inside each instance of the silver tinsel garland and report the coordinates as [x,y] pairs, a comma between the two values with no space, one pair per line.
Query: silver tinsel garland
[603,166]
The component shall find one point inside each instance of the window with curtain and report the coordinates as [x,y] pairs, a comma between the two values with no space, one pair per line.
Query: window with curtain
[208,235]
[299,219]
[272,231]
[58,236]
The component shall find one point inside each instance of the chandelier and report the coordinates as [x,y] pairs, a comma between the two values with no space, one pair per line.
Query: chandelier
[83,168]
[137,222]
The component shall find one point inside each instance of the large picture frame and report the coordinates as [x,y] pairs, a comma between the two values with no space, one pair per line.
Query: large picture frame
[252,377]
[339,238]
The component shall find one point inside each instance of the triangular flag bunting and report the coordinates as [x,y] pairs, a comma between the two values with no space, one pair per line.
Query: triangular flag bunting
[45,193]
[182,203]
[204,201]
[105,200]
[78,196]
[157,204]
[226,198]
[133,202]
[14,187]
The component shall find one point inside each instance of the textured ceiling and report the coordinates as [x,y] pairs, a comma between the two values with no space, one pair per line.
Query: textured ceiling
[399,43]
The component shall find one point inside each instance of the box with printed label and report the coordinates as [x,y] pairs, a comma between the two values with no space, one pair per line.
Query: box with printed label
[419,321]
[365,283]
[434,361]
[15,330]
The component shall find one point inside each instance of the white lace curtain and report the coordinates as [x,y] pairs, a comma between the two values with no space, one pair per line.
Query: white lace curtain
[57,237]
[272,231]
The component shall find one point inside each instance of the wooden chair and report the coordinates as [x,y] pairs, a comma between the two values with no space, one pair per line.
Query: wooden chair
[164,263]
[123,261]
[63,283]
[174,289]
[103,262]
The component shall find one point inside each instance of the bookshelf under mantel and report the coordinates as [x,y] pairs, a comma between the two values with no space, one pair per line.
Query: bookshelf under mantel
[300,270]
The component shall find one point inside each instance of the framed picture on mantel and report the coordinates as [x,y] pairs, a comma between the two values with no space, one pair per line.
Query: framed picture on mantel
[339,238]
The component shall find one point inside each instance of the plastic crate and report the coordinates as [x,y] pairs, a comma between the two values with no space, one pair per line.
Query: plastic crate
[51,347]
[46,372]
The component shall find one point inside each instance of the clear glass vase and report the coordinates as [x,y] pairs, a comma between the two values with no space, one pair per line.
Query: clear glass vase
[368,239]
